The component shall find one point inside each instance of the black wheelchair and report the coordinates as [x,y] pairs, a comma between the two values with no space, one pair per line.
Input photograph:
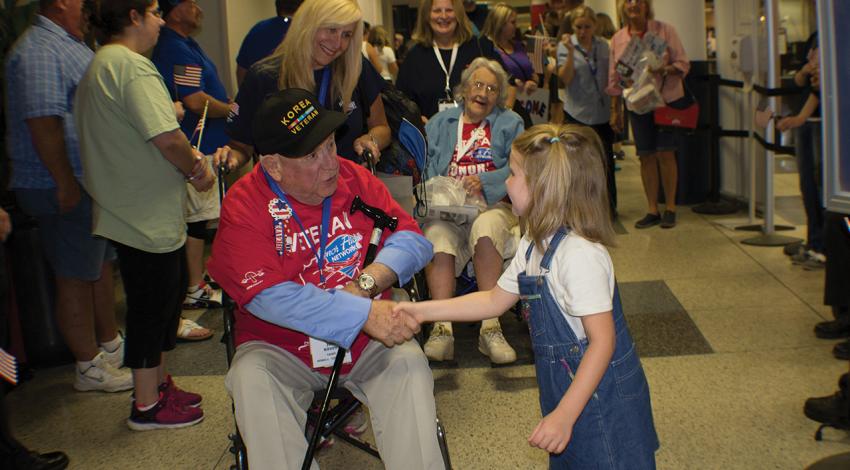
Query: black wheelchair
[335,417]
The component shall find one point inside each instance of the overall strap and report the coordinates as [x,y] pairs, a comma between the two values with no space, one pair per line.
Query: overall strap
[553,245]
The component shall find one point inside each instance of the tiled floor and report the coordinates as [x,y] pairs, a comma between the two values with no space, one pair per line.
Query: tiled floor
[724,330]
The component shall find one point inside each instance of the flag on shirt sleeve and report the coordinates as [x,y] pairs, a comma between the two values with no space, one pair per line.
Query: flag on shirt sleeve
[188,75]
[8,367]
[537,46]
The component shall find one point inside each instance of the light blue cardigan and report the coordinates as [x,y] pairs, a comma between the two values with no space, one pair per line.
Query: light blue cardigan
[441,129]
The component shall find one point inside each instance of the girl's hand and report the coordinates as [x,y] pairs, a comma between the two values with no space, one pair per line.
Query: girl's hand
[553,433]
[413,309]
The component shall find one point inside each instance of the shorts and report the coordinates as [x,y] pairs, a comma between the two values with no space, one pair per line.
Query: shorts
[650,138]
[497,223]
[204,206]
[66,239]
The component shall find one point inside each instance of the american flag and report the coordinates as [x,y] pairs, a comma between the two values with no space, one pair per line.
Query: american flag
[188,75]
[537,46]
[8,367]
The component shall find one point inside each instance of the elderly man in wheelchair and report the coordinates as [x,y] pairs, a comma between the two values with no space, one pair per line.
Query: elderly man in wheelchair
[470,145]
[289,251]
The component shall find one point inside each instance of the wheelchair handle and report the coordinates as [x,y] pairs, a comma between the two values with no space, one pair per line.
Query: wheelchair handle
[367,157]
[381,220]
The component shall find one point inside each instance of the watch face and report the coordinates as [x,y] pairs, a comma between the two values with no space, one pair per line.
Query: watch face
[366,282]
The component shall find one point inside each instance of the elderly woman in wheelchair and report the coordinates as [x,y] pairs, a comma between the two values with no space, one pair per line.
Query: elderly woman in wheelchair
[471,143]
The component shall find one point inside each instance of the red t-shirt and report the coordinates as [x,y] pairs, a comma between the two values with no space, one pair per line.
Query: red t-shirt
[478,157]
[245,259]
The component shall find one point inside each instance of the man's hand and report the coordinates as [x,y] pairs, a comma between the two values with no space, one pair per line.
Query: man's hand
[5,225]
[68,195]
[388,327]
[231,158]
[354,289]
[791,122]
[179,110]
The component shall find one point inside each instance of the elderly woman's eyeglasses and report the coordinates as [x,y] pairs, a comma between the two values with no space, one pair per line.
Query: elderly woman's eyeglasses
[491,89]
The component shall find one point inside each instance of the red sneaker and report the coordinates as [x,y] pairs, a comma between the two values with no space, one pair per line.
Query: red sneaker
[181,397]
[166,414]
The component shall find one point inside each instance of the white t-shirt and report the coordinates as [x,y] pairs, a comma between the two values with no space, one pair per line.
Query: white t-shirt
[580,277]
[387,57]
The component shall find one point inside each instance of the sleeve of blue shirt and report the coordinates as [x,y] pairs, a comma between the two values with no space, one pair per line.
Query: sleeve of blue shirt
[336,316]
[41,74]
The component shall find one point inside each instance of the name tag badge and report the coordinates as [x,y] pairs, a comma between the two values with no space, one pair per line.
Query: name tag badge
[324,354]
[443,105]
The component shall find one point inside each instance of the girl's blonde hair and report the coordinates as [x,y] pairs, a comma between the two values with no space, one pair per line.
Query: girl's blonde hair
[296,50]
[565,173]
[496,20]
[422,33]
[621,10]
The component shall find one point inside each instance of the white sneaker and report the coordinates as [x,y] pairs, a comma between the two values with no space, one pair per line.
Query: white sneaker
[103,376]
[116,358]
[440,345]
[492,343]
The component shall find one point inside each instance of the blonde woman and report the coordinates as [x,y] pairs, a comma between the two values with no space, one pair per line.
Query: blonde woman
[583,67]
[380,39]
[500,27]
[443,46]
[320,53]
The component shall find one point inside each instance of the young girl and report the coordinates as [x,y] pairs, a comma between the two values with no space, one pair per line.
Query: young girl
[593,392]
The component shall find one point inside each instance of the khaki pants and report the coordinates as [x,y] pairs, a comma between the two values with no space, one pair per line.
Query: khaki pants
[272,390]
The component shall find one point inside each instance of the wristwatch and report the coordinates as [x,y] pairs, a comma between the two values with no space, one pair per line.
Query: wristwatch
[366,282]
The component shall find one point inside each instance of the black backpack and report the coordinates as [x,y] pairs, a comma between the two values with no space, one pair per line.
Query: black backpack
[395,159]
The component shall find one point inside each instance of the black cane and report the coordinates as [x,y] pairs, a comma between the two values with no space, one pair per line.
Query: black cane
[381,222]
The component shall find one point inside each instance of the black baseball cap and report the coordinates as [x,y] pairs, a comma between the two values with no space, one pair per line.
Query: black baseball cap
[167,5]
[292,123]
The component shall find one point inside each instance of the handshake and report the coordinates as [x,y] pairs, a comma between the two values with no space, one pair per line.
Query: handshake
[393,323]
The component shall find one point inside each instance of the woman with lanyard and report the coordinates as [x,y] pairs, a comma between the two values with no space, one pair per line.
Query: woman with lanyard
[317,55]
[583,67]
[472,143]
[444,47]
[656,148]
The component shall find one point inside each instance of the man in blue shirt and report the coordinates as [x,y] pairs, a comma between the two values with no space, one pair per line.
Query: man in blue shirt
[192,79]
[42,72]
[264,37]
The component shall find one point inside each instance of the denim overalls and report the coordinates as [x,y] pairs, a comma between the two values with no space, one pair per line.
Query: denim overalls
[615,430]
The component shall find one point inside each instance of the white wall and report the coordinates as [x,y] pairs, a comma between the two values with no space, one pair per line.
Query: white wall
[733,17]
[241,15]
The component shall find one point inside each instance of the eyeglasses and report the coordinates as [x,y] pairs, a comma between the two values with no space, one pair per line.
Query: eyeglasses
[491,89]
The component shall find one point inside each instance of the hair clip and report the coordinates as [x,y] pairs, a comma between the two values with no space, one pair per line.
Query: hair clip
[554,139]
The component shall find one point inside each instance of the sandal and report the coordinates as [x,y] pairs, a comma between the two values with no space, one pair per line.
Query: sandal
[191,331]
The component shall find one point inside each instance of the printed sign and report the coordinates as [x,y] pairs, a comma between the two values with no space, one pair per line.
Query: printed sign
[536,104]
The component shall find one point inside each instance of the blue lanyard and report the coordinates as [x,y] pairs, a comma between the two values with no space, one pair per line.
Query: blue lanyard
[591,63]
[324,87]
[324,229]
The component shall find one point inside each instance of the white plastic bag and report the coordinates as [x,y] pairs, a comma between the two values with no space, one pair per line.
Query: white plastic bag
[643,96]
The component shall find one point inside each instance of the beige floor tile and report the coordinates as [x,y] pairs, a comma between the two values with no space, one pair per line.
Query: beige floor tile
[759,328]
[732,291]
